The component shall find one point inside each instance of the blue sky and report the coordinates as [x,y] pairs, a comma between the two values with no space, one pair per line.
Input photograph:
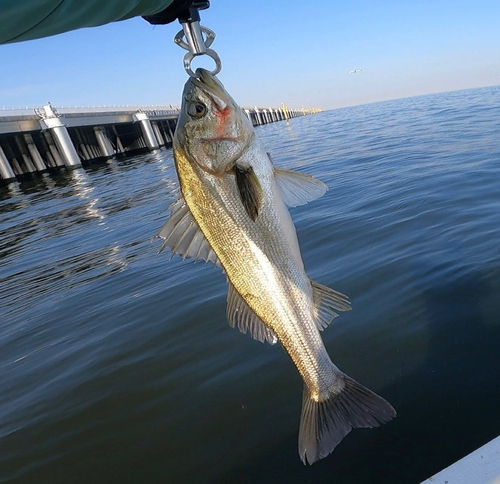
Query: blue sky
[294,52]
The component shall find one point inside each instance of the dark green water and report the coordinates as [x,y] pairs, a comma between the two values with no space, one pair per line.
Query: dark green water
[117,364]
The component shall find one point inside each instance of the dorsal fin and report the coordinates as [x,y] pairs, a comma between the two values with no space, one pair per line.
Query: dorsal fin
[183,236]
[242,317]
[327,302]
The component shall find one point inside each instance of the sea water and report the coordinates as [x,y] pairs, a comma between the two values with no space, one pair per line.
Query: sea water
[117,364]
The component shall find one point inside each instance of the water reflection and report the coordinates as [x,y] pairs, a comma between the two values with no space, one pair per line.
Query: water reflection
[13,189]
[83,190]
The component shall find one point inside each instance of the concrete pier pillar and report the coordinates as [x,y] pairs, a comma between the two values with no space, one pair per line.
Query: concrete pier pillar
[92,148]
[34,153]
[257,114]
[6,170]
[166,134]
[65,145]
[50,160]
[119,148]
[249,116]
[28,164]
[170,131]
[147,130]
[84,152]
[50,120]
[284,110]
[119,145]
[43,149]
[97,151]
[17,167]
[158,135]
[53,150]
[82,146]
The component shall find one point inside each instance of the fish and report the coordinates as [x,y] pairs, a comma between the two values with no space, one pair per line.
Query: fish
[232,210]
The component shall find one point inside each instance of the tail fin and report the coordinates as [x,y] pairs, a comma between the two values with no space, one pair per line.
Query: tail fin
[324,424]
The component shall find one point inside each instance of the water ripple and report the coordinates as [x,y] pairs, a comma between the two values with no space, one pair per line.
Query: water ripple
[118,364]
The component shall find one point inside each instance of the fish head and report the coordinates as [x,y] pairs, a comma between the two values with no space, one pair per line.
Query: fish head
[212,130]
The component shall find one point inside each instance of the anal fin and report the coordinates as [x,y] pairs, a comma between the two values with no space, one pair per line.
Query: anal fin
[242,317]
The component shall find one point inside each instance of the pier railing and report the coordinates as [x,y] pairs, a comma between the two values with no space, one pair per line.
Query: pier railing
[38,139]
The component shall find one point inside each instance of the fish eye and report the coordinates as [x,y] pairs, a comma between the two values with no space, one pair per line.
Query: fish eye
[197,110]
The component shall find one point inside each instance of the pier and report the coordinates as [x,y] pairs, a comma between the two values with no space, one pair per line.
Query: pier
[40,139]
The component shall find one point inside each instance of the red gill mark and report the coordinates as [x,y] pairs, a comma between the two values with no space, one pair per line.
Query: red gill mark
[223,116]
[221,113]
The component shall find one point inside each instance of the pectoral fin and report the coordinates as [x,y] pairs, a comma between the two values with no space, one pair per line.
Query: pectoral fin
[242,317]
[298,188]
[183,236]
[326,303]
[250,190]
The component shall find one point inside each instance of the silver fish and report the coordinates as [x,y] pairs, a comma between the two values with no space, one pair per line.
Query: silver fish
[232,211]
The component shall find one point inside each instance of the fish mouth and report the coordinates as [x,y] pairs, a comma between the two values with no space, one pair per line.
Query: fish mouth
[207,82]
[222,138]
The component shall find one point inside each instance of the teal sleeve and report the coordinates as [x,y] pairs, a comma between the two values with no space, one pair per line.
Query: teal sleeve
[32,19]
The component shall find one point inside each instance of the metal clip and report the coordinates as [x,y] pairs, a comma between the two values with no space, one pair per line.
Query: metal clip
[195,43]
